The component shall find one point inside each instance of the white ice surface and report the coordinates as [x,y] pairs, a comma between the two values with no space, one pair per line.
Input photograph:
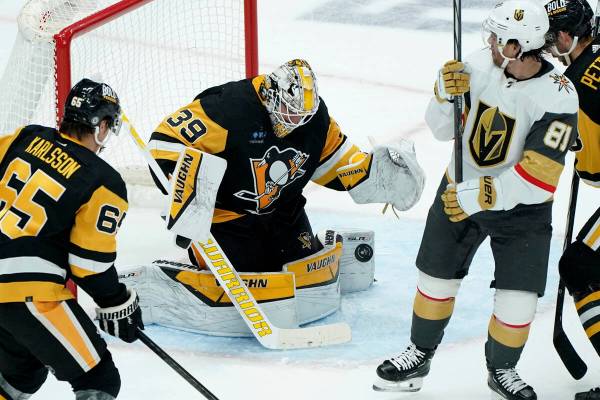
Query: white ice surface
[375,61]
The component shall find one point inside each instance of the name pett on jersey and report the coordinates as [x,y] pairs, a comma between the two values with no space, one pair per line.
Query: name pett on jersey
[60,209]
[264,173]
[584,72]
[517,131]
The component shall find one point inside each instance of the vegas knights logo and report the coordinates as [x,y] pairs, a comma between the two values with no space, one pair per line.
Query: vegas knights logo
[272,173]
[491,135]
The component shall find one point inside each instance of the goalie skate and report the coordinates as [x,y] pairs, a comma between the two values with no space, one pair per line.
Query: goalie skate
[405,372]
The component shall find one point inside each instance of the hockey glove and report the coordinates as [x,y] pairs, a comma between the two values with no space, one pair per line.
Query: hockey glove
[470,197]
[122,321]
[453,80]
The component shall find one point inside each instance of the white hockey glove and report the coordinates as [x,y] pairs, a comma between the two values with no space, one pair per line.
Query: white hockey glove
[390,174]
[453,80]
[470,197]
[194,187]
[123,320]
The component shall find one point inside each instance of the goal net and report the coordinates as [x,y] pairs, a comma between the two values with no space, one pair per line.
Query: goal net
[156,54]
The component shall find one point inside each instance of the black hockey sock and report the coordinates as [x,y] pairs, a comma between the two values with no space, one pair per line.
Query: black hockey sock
[505,343]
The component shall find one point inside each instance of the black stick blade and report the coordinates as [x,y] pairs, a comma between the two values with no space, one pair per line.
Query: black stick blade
[574,364]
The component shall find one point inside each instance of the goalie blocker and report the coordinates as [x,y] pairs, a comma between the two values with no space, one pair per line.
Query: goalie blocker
[183,296]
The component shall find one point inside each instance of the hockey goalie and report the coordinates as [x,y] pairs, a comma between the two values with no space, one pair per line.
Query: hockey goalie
[239,156]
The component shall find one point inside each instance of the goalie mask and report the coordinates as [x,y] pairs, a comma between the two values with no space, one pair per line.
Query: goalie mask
[89,103]
[292,97]
[521,20]
[571,16]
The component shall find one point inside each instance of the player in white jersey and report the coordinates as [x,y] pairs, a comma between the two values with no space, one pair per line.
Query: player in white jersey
[521,117]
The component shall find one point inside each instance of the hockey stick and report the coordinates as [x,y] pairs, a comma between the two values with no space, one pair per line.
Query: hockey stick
[574,364]
[268,335]
[458,100]
[175,365]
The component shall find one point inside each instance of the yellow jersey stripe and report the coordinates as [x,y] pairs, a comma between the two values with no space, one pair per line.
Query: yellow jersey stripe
[17,292]
[588,299]
[59,321]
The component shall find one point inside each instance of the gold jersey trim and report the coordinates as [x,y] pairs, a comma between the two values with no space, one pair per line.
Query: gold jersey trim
[541,167]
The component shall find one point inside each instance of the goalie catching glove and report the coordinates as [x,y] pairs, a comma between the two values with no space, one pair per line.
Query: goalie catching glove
[390,174]
[123,320]
[470,197]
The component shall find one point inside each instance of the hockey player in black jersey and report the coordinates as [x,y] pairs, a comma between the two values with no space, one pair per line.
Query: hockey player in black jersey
[276,135]
[573,44]
[60,209]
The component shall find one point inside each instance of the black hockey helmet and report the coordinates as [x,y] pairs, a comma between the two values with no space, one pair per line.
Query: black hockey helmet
[571,16]
[89,102]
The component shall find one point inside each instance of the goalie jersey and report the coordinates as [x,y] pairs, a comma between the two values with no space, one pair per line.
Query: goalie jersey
[60,209]
[517,131]
[264,173]
[584,72]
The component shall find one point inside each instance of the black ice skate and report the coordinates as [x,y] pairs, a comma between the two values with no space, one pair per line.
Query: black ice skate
[506,384]
[593,394]
[405,372]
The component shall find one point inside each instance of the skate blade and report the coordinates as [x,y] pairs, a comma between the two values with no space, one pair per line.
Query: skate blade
[496,396]
[410,385]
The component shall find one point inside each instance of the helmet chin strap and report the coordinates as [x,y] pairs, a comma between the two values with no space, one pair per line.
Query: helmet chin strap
[565,56]
[508,59]
[101,143]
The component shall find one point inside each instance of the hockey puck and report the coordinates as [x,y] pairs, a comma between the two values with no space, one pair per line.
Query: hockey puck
[363,252]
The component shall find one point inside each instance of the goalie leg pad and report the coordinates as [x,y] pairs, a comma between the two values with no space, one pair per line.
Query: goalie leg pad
[181,296]
[357,264]
[317,279]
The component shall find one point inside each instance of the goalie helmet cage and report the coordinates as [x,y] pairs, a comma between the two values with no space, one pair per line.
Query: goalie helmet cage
[156,54]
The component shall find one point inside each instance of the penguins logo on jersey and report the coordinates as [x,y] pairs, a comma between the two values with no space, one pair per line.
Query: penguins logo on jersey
[272,173]
[491,136]
[519,14]
[304,238]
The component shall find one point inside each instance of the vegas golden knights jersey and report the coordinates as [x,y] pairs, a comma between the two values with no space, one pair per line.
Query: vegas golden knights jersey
[60,208]
[584,72]
[517,131]
[264,172]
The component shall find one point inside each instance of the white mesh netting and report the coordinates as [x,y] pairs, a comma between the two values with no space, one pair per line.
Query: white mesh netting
[156,57]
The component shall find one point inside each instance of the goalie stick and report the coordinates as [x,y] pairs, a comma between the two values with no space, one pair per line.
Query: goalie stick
[567,353]
[268,335]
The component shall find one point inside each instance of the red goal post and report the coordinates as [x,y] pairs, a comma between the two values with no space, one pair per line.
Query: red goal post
[156,54]
[64,38]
